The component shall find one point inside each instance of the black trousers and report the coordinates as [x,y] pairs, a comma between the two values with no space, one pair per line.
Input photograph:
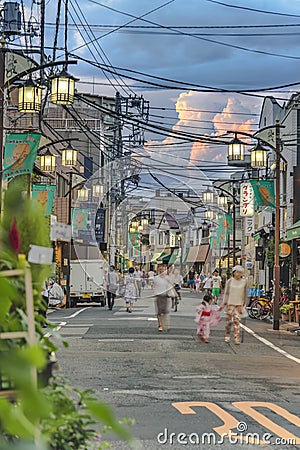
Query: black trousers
[110,299]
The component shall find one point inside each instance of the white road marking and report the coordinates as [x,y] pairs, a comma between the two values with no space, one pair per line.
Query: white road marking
[76,313]
[61,324]
[116,340]
[269,344]
[188,377]
[128,318]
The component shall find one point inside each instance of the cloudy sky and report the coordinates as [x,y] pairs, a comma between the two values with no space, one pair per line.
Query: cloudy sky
[188,48]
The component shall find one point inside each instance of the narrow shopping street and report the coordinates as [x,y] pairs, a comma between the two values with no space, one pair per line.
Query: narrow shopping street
[170,382]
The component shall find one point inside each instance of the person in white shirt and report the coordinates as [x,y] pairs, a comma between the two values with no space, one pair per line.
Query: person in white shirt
[162,286]
[207,284]
[151,278]
[112,286]
[235,296]
[216,281]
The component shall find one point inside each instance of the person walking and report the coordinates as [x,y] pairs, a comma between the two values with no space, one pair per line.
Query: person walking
[216,282]
[151,278]
[197,282]
[235,297]
[131,290]
[191,279]
[112,286]
[207,284]
[162,286]
[206,315]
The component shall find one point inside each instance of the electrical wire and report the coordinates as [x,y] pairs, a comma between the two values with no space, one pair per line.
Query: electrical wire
[182,33]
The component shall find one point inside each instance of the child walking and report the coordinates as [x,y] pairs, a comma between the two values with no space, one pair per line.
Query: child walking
[206,316]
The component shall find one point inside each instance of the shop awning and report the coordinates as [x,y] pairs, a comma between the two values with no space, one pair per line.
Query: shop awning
[198,253]
[175,257]
[293,232]
[157,258]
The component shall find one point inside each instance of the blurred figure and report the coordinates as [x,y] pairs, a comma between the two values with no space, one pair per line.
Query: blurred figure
[206,315]
[176,281]
[151,278]
[162,285]
[131,290]
[203,313]
[197,282]
[138,274]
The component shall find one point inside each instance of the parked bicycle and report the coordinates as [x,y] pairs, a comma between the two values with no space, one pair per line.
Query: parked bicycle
[262,307]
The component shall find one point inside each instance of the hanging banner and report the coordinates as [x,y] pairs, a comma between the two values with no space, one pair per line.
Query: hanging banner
[133,239]
[100,225]
[263,192]
[43,195]
[79,219]
[20,153]
[224,228]
[249,226]
[247,200]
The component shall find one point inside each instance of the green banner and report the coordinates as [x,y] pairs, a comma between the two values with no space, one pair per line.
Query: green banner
[224,228]
[20,153]
[264,194]
[43,195]
[79,218]
[133,239]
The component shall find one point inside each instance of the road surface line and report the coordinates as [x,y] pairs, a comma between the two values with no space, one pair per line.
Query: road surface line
[61,324]
[269,344]
[76,313]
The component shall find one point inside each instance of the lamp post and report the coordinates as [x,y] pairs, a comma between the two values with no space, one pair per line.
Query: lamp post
[69,159]
[259,160]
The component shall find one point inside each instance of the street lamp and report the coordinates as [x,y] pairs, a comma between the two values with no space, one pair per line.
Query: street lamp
[63,88]
[209,214]
[208,196]
[83,194]
[236,150]
[30,97]
[98,190]
[258,157]
[48,162]
[222,200]
[69,159]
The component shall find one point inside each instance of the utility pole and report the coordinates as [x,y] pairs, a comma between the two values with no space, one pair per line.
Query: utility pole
[276,312]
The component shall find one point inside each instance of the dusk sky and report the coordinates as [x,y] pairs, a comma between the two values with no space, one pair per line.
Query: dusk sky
[203,44]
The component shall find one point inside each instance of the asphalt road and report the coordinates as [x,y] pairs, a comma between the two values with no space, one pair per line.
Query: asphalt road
[179,389]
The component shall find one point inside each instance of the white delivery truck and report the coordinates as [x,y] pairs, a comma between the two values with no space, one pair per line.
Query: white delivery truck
[86,282]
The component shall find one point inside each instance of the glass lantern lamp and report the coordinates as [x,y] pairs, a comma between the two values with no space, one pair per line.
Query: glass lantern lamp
[30,97]
[69,157]
[208,196]
[98,190]
[222,200]
[83,195]
[63,88]
[236,150]
[48,162]
[258,157]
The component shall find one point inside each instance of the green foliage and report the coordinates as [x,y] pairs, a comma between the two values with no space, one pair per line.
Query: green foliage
[58,417]
[286,308]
